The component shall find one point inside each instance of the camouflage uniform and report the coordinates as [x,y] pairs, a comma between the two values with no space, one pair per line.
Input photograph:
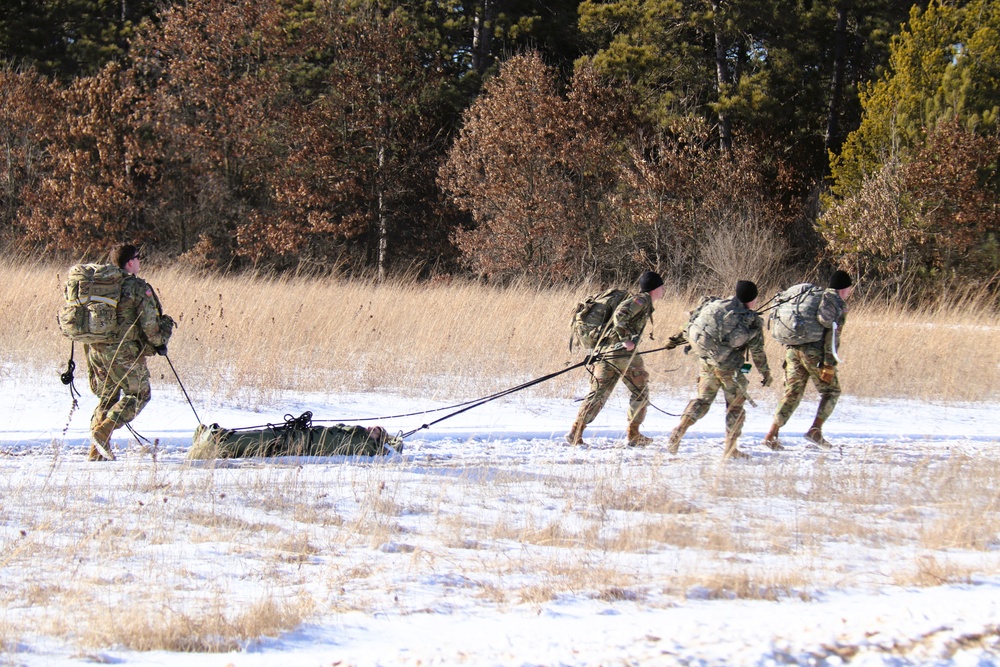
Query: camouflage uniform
[628,323]
[803,362]
[117,371]
[725,374]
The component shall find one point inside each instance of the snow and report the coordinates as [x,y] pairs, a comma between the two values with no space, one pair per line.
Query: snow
[489,541]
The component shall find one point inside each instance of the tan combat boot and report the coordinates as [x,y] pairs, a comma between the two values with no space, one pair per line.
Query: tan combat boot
[575,435]
[636,439]
[675,436]
[731,452]
[815,435]
[100,441]
[771,439]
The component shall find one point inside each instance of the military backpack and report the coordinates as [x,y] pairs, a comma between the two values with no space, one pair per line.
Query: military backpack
[589,324]
[716,328]
[795,319]
[90,312]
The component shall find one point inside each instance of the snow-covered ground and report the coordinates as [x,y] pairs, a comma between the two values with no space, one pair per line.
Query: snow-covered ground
[489,541]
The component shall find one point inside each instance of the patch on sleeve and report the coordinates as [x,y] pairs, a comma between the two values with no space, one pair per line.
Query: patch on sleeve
[149,292]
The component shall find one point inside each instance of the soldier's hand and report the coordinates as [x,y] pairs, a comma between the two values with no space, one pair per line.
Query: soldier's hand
[767,380]
[826,373]
[161,350]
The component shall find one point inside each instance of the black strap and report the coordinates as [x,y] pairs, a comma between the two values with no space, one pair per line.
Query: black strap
[67,377]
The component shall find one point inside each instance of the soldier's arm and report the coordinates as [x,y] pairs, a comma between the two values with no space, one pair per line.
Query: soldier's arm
[149,316]
[756,346]
[831,310]
[627,321]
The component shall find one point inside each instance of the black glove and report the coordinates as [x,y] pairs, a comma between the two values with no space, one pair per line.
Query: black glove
[675,341]
[161,350]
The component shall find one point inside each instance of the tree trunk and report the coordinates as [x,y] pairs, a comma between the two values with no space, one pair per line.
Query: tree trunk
[832,139]
[381,217]
[482,35]
[721,80]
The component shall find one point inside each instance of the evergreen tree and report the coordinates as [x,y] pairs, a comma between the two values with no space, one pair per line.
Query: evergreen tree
[945,65]
[916,194]
[68,38]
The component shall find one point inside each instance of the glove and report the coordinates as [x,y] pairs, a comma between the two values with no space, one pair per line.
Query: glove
[161,350]
[826,373]
[767,380]
[675,340]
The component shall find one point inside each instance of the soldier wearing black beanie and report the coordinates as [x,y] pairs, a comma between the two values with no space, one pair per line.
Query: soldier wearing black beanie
[619,361]
[815,362]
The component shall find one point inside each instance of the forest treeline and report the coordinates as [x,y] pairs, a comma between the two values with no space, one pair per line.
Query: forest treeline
[510,138]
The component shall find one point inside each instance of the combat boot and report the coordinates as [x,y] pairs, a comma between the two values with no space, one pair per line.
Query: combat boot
[675,436]
[636,439]
[815,435]
[575,435]
[771,439]
[731,452]
[100,441]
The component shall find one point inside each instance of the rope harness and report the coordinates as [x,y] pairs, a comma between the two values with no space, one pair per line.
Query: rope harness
[305,420]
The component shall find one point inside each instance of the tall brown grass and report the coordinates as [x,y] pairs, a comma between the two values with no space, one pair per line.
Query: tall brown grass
[243,338]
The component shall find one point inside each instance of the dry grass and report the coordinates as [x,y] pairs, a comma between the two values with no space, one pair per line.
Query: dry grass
[616,532]
[244,339]
[282,544]
[218,628]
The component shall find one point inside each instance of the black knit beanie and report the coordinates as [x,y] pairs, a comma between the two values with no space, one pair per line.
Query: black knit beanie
[649,281]
[840,280]
[746,291]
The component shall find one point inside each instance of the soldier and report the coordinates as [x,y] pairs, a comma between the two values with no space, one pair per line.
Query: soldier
[724,371]
[627,324]
[816,361]
[117,371]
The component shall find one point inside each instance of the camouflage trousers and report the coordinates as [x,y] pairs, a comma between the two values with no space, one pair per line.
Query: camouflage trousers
[120,379]
[801,365]
[603,380]
[733,384]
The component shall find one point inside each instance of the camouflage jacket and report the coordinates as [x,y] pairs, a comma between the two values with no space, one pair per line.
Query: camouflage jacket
[139,314]
[832,309]
[629,319]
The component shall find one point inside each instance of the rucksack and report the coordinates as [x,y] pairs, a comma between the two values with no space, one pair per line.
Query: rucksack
[591,318]
[716,328]
[795,319]
[90,311]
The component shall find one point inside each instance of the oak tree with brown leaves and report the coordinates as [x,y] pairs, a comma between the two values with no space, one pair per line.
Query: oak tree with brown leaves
[535,169]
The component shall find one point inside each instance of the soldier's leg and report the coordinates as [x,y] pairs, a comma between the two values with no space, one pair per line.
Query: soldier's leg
[131,380]
[107,389]
[734,386]
[796,379]
[136,393]
[708,387]
[637,381]
[603,380]
[829,393]
[636,378]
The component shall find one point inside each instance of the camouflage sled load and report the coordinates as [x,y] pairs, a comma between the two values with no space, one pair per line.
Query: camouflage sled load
[296,437]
